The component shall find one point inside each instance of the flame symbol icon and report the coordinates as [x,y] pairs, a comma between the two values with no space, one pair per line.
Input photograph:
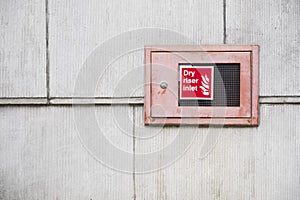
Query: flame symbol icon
[205,85]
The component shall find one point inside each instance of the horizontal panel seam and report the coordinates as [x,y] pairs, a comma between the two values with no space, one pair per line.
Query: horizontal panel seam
[123,100]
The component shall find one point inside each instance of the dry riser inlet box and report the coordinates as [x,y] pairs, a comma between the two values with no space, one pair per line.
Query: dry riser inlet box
[214,84]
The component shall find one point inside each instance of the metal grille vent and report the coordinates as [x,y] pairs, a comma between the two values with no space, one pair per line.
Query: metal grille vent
[226,87]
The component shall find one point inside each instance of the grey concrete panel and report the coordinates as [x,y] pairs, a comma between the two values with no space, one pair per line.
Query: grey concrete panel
[245,163]
[275,26]
[43,157]
[78,27]
[22,49]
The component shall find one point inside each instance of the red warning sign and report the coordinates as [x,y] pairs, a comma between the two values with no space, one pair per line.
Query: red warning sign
[196,82]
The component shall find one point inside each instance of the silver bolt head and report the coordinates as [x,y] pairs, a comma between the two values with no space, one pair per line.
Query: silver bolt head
[163,84]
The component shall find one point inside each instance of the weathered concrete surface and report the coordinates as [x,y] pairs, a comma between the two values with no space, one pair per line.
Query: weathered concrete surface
[22,49]
[246,163]
[77,27]
[275,26]
[41,156]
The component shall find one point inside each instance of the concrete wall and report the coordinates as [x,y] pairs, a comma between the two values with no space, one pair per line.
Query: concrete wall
[50,149]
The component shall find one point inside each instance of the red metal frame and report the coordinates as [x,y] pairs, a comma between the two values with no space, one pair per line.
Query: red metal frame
[171,113]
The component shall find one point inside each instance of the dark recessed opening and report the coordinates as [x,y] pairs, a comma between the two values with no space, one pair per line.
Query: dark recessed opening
[226,90]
